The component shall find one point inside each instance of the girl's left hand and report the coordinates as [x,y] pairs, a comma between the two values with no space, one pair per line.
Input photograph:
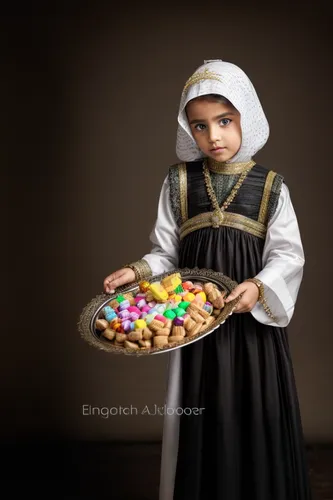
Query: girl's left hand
[250,295]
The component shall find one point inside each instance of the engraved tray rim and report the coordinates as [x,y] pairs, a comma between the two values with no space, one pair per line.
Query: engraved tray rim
[91,311]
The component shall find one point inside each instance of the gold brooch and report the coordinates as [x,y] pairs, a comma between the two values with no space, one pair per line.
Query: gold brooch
[203,75]
[217,218]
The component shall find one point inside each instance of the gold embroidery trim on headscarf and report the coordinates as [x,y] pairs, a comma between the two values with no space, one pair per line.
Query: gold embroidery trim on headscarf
[265,197]
[183,191]
[202,75]
[230,219]
[219,167]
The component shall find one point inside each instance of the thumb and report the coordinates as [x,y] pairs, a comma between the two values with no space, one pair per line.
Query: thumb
[236,292]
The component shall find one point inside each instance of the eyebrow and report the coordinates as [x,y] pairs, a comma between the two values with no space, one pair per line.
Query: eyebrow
[215,117]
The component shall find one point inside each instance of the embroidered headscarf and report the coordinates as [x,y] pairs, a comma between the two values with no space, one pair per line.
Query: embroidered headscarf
[228,80]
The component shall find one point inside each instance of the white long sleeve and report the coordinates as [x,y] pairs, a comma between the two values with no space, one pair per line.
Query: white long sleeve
[164,236]
[283,261]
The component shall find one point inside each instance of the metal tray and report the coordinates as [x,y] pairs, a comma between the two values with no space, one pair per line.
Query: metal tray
[91,312]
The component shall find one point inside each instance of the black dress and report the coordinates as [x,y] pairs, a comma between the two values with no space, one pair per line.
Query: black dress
[248,442]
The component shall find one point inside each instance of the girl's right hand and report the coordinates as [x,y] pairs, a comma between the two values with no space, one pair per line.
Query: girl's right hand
[118,278]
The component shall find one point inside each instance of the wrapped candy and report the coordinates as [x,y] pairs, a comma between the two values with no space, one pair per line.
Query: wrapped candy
[160,308]
[170,314]
[134,309]
[120,298]
[140,323]
[160,317]
[144,286]
[179,311]
[159,292]
[124,314]
[171,282]
[149,296]
[160,313]
[129,296]
[179,289]
[149,318]
[138,297]
[114,304]
[124,305]
[127,326]
[189,297]
[179,321]
[208,307]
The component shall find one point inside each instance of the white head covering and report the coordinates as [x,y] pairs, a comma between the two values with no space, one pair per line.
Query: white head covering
[228,80]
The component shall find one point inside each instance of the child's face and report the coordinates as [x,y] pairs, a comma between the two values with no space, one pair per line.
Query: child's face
[215,127]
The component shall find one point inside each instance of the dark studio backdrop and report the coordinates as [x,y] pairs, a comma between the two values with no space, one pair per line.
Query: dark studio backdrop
[90,106]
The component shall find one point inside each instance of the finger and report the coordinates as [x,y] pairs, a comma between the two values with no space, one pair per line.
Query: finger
[235,293]
[115,275]
[108,288]
[114,280]
[112,285]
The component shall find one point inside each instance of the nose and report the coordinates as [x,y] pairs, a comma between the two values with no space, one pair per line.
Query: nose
[213,134]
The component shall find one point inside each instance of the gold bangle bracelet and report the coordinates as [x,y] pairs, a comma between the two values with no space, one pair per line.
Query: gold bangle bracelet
[262,299]
[141,268]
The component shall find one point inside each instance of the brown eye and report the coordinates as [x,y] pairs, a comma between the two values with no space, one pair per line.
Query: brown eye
[199,126]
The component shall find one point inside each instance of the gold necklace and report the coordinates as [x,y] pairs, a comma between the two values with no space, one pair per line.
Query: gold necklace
[217,216]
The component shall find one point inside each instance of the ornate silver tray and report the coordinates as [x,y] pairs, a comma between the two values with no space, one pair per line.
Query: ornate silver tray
[92,311]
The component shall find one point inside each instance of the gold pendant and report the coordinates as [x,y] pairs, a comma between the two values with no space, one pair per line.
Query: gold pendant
[217,219]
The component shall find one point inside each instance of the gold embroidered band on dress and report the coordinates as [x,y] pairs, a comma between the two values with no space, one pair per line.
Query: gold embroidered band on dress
[219,167]
[229,219]
[182,173]
[265,197]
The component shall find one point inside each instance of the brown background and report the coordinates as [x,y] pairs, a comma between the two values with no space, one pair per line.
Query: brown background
[90,105]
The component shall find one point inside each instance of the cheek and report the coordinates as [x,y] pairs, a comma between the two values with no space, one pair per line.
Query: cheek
[237,136]
[239,132]
[199,138]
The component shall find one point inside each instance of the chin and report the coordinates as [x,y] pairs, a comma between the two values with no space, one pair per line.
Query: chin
[224,156]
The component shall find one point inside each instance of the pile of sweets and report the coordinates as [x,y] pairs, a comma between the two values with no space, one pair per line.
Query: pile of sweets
[161,313]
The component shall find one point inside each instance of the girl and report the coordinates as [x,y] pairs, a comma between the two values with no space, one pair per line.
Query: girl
[219,209]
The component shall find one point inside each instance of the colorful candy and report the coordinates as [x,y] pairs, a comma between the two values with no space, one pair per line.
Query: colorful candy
[159,292]
[160,313]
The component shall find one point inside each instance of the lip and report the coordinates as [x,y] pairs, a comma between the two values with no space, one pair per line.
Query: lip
[216,150]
